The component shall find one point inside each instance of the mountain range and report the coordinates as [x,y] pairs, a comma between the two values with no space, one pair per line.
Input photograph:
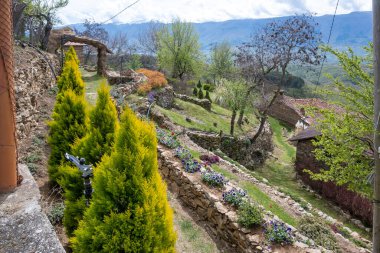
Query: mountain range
[353,30]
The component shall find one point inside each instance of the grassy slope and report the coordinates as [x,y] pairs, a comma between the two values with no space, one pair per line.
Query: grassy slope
[203,119]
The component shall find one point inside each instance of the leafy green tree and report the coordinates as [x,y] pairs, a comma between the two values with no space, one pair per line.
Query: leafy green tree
[179,50]
[346,141]
[100,137]
[232,95]
[69,123]
[129,211]
[221,61]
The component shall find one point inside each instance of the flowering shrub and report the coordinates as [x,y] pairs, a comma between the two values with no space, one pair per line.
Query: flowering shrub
[278,232]
[249,215]
[213,178]
[167,138]
[234,196]
[183,153]
[155,80]
[210,158]
[191,165]
[151,96]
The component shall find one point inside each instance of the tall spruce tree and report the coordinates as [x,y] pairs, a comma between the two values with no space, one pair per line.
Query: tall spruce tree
[97,142]
[129,211]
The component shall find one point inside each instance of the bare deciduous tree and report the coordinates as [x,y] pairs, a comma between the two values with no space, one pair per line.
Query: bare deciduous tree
[294,40]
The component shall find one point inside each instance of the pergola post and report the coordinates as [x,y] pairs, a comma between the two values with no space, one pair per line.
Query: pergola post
[102,59]
[8,149]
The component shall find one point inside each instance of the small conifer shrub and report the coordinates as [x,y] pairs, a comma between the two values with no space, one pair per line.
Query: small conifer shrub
[71,78]
[100,137]
[129,210]
[69,124]
[208,96]
[195,91]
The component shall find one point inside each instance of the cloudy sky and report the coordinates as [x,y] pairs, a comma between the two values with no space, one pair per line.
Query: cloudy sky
[200,10]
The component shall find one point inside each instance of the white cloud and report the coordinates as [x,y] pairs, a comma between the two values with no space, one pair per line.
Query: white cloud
[200,10]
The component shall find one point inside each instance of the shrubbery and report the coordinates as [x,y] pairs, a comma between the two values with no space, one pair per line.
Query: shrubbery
[278,233]
[155,80]
[129,211]
[319,231]
[213,178]
[234,197]
[249,215]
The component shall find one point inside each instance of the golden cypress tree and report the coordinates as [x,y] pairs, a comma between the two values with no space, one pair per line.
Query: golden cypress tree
[71,77]
[69,123]
[129,210]
[97,142]
[103,124]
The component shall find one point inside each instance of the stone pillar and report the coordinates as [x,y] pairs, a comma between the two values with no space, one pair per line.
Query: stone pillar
[102,58]
[8,149]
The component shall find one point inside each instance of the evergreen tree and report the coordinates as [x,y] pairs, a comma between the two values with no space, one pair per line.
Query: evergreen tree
[129,211]
[103,124]
[69,123]
[75,203]
[208,95]
[71,77]
[71,55]
[98,141]
[200,94]
[195,91]
[199,85]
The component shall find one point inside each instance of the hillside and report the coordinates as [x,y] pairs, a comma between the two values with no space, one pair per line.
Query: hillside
[354,30]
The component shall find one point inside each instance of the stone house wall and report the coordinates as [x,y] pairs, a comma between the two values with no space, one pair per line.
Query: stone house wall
[357,205]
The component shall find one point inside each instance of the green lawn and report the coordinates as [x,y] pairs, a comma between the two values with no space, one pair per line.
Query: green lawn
[204,120]
[92,81]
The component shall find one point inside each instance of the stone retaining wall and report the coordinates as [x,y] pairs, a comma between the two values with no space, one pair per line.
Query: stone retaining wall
[33,78]
[240,149]
[205,103]
[218,220]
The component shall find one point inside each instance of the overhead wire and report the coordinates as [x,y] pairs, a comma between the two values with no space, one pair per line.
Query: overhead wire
[328,41]
[117,14]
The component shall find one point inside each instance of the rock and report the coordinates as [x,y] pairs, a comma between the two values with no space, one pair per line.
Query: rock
[301,245]
[188,119]
[165,97]
[205,103]
[355,235]
[265,181]
[221,208]
[23,225]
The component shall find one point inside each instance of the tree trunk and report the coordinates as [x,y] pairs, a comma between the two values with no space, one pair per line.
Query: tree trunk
[241,115]
[47,30]
[233,122]
[261,128]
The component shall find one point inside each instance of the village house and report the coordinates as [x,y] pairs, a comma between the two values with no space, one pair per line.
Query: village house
[357,205]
